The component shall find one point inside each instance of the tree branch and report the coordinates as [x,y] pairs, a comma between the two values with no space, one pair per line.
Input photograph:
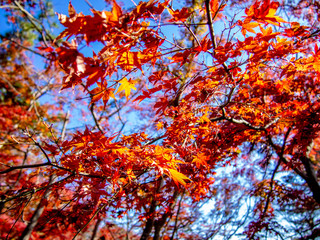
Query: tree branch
[274,173]
[35,190]
[95,118]
[12,168]
[34,22]
[26,234]
[20,215]
[210,25]
[177,216]
[151,213]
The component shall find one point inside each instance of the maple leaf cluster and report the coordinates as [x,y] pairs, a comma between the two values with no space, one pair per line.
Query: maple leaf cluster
[225,113]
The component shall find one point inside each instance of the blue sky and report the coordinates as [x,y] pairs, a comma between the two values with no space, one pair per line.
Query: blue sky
[61,6]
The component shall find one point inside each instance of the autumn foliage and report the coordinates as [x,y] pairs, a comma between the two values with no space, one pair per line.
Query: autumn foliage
[161,120]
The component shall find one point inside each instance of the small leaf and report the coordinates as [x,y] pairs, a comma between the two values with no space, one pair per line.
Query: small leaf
[116,12]
[214,5]
[200,160]
[178,177]
[179,15]
[126,86]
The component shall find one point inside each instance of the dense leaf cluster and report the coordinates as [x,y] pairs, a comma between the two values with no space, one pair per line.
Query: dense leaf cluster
[129,131]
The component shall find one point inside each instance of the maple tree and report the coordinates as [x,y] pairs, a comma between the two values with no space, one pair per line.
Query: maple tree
[224,114]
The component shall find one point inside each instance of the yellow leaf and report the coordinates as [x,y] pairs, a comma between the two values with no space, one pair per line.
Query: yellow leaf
[119,150]
[200,160]
[316,65]
[212,69]
[178,177]
[272,12]
[250,26]
[159,125]
[126,86]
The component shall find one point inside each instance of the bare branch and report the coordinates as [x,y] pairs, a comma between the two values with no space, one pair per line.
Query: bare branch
[12,168]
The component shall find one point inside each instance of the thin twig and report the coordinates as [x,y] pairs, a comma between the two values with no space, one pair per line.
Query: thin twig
[38,145]
[95,118]
[19,215]
[36,190]
[28,49]
[176,220]
[65,122]
[271,190]
[102,206]
[34,22]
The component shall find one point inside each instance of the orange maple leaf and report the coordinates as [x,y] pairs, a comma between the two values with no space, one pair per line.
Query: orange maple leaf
[248,26]
[264,11]
[178,177]
[214,5]
[116,12]
[179,15]
[200,159]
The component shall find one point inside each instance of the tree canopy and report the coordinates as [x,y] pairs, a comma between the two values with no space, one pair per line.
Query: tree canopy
[160,120]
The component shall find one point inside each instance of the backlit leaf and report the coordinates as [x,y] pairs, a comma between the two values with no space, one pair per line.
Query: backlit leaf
[126,85]
[178,177]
